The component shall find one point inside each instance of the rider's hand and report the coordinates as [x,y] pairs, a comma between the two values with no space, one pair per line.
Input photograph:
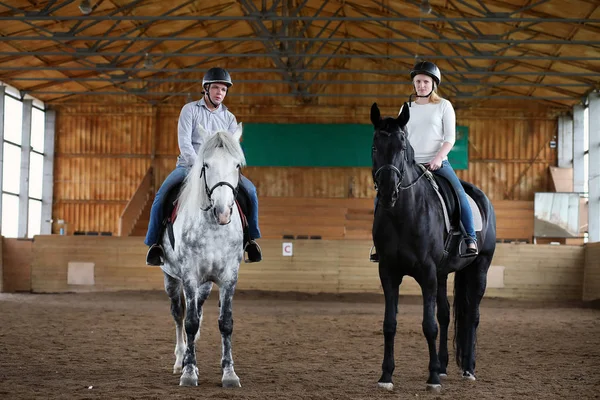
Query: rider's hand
[436,163]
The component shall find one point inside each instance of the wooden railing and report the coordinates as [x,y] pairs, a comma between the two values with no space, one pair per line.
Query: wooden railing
[132,210]
[353,218]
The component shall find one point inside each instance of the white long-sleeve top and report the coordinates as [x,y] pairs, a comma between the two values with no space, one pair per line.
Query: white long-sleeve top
[429,126]
[193,115]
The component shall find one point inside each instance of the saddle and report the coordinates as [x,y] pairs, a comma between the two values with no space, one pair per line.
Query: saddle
[170,207]
[455,231]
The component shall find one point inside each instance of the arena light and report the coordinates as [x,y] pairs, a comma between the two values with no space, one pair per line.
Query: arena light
[85,7]
[425,7]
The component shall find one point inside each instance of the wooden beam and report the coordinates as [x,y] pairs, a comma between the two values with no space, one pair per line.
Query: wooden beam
[2,90]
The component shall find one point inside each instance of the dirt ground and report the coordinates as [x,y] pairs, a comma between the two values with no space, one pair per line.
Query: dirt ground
[285,346]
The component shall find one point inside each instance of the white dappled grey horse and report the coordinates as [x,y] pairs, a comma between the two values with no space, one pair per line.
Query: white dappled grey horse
[208,249]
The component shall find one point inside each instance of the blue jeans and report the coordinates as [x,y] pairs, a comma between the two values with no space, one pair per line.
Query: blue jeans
[176,177]
[156,212]
[252,216]
[466,216]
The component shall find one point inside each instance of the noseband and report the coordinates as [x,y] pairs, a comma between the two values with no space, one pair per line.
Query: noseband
[397,171]
[209,191]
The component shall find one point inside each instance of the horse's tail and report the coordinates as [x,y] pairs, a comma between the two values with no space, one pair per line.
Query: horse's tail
[461,306]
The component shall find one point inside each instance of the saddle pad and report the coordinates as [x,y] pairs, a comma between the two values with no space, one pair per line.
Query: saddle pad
[477,221]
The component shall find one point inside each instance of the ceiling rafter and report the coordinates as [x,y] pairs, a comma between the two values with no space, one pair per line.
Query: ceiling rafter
[559,47]
[276,56]
[486,48]
[69,46]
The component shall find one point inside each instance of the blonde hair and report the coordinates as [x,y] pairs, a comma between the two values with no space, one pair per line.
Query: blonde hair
[434,98]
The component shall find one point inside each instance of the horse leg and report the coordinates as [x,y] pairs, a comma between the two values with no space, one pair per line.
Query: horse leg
[443,316]
[226,291]
[204,292]
[391,289]
[429,289]
[189,376]
[173,288]
[473,282]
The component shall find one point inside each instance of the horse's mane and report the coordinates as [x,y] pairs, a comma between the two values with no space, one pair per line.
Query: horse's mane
[193,194]
[410,152]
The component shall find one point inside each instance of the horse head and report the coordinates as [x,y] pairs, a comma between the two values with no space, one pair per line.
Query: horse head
[391,154]
[212,183]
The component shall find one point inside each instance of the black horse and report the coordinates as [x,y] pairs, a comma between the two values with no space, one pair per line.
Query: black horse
[410,236]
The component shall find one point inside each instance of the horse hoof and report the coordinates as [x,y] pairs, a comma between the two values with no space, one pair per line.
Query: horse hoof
[468,376]
[189,376]
[176,370]
[188,381]
[434,387]
[231,381]
[443,375]
[389,386]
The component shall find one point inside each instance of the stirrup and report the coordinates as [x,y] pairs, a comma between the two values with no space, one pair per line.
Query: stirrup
[155,256]
[469,252]
[259,255]
[373,256]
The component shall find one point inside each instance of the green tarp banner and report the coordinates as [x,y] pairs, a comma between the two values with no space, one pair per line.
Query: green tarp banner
[323,145]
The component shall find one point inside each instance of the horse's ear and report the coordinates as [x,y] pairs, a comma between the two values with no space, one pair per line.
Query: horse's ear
[203,133]
[404,116]
[237,135]
[375,115]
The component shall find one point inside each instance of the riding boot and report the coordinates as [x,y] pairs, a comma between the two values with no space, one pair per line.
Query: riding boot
[373,256]
[468,252]
[471,251]
[155,255]
[254,252]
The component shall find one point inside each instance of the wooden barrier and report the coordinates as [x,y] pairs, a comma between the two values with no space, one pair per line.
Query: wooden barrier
[116,263]
[519,271]
[135,206]
[514,220]
[17,258]
[1,265]
[591,275]
[353,218]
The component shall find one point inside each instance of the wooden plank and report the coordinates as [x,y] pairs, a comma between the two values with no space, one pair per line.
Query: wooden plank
[591,280]
[16,261]
[535,272]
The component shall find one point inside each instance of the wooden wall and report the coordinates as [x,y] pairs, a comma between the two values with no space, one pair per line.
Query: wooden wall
[103,152]
[591,279]
[520,271]
[17,256]
[1,264]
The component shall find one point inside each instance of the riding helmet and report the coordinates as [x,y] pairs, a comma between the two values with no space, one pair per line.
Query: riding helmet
[427,68]
[217,75]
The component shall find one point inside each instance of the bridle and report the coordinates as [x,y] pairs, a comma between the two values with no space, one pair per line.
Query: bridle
[400,173]
[209,191]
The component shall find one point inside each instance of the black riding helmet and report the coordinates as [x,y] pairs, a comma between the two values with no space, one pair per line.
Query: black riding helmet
[217,75]
[428,68]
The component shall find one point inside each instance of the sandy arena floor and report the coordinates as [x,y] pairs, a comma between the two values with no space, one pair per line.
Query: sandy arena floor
[286,346]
